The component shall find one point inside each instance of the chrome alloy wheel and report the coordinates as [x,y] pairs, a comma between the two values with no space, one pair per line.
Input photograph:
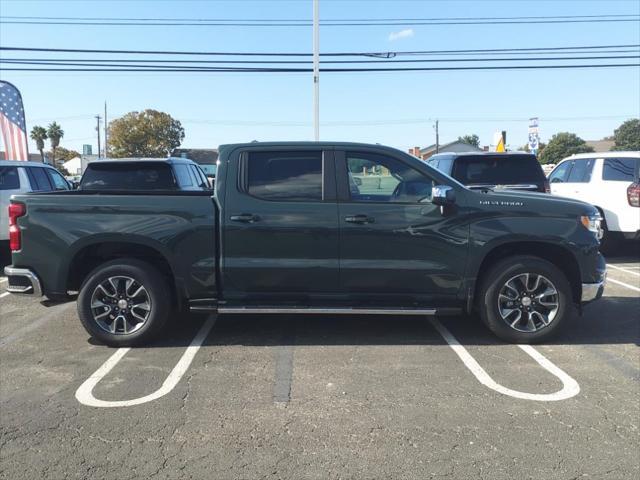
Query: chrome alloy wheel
[528,302]
[120,305]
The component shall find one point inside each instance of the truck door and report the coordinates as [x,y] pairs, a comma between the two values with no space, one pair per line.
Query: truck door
[396,246]
[280,226]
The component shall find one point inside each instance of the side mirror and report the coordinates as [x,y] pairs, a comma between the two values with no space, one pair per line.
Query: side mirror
[443,195]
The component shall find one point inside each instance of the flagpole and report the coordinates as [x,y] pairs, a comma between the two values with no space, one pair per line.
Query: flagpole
[316,70]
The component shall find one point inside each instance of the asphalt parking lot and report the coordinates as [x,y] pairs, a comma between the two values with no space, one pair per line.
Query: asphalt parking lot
[322,397]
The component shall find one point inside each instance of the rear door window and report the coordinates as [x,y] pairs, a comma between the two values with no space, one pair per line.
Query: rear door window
[59,183]
[39,179]
[619,169]
[561,173]
[9,178]
[139,176]
[285,176]
[498,170]
[581,171]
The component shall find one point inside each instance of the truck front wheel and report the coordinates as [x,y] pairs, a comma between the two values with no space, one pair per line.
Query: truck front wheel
[124,302]
[525,299]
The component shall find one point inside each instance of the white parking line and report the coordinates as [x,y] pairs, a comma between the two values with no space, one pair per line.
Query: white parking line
[4,294]
[570,387]
[3,279]
[618,282]
[615,267]
[84,394]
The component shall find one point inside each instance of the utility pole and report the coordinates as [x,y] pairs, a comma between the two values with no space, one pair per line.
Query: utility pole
[437,137]
[98,117]
[316,70]
[106,141]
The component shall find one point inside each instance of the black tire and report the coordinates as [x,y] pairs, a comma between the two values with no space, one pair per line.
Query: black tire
[156,291]
[494,281]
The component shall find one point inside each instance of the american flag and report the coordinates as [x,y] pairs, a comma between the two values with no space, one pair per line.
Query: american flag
[12,124]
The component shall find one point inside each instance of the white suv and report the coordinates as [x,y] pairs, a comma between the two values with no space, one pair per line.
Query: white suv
[20,177]
[610,182]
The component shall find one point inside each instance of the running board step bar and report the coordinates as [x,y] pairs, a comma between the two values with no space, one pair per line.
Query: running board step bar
[328,310]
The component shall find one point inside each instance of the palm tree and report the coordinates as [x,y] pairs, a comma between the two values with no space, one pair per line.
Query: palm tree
[39,135]
[55,133]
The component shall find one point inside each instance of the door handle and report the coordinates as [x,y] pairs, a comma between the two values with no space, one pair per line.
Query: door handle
[359,219]
[244,218]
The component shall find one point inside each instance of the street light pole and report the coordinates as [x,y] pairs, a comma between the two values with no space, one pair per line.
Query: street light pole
[316,70]
[98,117]
[106,141]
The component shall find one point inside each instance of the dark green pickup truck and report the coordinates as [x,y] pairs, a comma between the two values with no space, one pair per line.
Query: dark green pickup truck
[310,228]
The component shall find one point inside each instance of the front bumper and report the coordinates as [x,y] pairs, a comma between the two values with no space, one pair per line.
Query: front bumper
[22,281]
[593,291]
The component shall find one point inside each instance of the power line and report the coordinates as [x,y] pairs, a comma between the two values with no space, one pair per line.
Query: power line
[327,70]
[353,24]
[153,19]
[121,63]
[388,54]
[170,22]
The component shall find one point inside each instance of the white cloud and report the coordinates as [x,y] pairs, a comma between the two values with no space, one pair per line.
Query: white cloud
[406,33]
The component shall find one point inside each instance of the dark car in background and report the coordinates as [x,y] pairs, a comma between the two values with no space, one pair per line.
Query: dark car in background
[158,174]
[511,171]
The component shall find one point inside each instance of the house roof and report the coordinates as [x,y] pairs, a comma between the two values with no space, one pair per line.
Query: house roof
[198,155]
[443,147]
[601,145]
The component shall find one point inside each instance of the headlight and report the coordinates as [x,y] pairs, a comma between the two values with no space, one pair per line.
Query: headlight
[592,223]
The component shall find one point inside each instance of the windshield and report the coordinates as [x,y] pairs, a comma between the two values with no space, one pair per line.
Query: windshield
[498,170]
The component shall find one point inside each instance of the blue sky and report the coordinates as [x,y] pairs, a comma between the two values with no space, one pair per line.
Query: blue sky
[225,108]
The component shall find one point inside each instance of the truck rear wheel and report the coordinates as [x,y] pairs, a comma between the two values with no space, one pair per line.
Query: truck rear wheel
[525,299]
[124,302]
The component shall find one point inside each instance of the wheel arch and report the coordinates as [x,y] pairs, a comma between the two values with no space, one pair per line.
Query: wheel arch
[91,254]
[558,255]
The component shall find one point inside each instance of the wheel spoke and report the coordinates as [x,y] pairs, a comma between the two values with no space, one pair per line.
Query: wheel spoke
[541,317]
[536,284]
[102,315]
[517,319]
[137,292]
[104,290]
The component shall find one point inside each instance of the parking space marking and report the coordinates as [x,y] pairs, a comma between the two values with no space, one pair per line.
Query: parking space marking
[2,295]
[570,387]
[3,279]
[615,267]
[618,282]
[84,394]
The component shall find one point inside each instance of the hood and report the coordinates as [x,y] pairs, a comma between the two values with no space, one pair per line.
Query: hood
[532,201]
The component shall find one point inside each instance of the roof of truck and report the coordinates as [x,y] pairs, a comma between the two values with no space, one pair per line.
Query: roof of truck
[22,163]
[306,144]
[141,159]
[482,154]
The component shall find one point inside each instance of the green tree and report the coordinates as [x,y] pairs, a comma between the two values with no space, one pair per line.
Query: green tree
[55,133]
[39,135]
[627,135]
[144,134]
[64,154]
[562,145]
[470,140]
